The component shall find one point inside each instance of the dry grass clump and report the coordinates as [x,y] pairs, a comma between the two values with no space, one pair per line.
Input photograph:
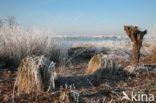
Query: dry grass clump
[101,66]
[107,64]
[17,43]
[35,74]
[93,64]
[103,63]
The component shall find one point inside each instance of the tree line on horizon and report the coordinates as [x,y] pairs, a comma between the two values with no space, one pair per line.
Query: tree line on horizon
[8,21]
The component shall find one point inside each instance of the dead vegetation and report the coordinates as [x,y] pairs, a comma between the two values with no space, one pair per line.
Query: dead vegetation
[93,64]
[35,74]
[101,66]
[149,59]
[109,90]
[17,43]
[72,84]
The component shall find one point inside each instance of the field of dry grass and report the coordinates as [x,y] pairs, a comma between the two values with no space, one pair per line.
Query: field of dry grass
[108,91]
[18,43]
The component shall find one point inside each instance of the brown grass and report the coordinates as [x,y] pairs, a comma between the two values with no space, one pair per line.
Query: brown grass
[35,74]
[24,84]
[93,64]
[108,91]
[150,59]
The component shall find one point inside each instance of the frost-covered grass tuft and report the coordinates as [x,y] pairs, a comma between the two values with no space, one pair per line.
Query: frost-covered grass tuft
[17,43]
[101,66]
[35,73]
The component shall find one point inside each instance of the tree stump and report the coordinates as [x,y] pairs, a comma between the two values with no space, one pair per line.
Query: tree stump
[136,37]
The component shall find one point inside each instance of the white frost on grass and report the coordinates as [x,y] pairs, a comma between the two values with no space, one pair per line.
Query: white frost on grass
[35,73]
[136,70]
[73,91]
[16,43]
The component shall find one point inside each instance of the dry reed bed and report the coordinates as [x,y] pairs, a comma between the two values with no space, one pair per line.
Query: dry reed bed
[17,43]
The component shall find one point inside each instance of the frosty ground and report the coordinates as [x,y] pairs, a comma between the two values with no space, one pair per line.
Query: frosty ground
[72,74]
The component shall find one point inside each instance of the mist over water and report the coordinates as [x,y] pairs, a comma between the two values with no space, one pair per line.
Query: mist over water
[113,41]
[96,40]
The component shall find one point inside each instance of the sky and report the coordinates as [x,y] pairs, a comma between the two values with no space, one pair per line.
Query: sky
[81,16]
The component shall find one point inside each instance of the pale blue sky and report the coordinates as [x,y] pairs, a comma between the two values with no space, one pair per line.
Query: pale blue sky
[83,16]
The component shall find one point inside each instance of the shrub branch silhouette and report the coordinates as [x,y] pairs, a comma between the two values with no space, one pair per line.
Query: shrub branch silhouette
[136,37]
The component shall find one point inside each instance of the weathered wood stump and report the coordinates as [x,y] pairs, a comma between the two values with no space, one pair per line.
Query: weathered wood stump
[136,37]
